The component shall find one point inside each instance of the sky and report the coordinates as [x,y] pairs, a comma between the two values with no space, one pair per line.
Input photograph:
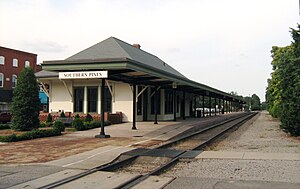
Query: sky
[223,44]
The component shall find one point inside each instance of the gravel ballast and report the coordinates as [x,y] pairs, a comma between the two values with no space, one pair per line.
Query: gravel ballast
[262,135]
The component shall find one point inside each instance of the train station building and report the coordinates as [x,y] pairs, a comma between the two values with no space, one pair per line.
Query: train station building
[114,76]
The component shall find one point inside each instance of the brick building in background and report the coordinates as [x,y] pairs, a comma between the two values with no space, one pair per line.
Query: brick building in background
[11,63]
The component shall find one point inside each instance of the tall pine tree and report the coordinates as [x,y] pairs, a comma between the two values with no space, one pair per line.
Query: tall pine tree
[25,105]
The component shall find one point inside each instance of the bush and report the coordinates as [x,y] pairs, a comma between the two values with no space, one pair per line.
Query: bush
[49,118]
[94,124]
[49,124]
[59,125]
[30,135]
[42,124]
[88,118]
[62,114]
[77,116]
[78,124]
[4,126]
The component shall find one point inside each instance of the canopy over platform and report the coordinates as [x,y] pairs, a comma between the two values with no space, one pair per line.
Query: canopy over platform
[130,64]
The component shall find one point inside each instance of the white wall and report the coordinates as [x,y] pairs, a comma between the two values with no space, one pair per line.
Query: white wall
[123,100]
[60,97]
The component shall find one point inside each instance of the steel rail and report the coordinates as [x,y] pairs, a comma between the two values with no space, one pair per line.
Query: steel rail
[133,182]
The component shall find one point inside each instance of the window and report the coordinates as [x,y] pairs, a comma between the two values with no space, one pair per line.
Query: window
[14,81]
[2,60]
[15,62]
[92,93]
[168,102]
[107,100]
[157,103]
[1,79]
[27,63]
[78,99]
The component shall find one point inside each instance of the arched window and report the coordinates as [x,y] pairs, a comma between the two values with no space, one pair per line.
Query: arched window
[14,81]
[27,63]
[2,60]
[15,62]
[1,79]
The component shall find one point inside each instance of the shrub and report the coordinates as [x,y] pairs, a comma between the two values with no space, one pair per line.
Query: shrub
[96,123]
[77,116]
[49,124]
[42,124]
[78,124]
[88,118]
[49,118]
[59,125]
[4,126]
[62,114]
[30,135]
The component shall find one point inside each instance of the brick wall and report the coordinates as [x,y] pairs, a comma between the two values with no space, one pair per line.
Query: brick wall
[113,118]
[8,70]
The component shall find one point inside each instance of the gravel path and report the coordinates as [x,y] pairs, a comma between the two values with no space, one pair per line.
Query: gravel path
[260,134]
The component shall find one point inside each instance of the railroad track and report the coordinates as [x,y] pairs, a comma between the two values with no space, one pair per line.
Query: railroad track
[147,162]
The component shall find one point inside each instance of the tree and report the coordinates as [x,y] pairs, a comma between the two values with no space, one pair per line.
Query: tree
[283,91]
[255,102]
[26,102]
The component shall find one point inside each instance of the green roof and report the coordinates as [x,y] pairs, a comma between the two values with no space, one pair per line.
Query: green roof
[113,48]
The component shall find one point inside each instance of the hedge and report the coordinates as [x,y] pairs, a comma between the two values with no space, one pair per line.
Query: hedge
[4,126]
[30,135]
[79,125]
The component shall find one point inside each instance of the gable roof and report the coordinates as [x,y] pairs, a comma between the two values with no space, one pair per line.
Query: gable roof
[113,48]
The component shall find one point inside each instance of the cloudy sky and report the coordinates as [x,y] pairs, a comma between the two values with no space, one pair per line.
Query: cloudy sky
[223,44]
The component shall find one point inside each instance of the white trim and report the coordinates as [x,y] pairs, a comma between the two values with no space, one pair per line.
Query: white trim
[15,62]
[66,86]
[137,96]
[12,81]
[2,76]
[2,60]
[110,90]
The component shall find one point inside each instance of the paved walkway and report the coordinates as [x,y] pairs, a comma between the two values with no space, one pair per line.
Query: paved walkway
[248,155]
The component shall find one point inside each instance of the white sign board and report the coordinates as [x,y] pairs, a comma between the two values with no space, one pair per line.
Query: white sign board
[83,75]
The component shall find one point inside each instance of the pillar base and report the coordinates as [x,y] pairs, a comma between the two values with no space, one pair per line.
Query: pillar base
[102,136]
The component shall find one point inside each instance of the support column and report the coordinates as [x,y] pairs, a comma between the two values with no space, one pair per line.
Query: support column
[226,103]
[215,106]
[223,106]
[134,107]
[183,106]
[102,132]
[174,104]
[209,105]
[85,100]
[203,106]
[155,106]
[219,106]
[195,101]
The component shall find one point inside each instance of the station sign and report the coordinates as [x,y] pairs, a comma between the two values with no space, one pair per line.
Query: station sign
[83,75]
